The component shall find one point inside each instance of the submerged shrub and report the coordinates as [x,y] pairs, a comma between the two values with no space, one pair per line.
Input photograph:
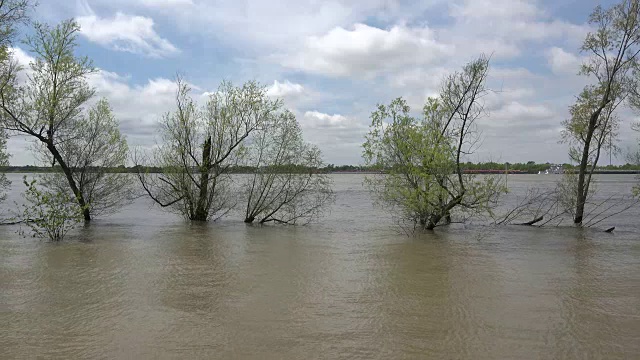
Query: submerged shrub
[49,214]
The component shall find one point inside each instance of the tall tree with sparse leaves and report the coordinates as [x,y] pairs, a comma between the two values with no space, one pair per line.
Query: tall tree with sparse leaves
[198,147]
[612,55]
[50,108]
[285,185]
[92,149]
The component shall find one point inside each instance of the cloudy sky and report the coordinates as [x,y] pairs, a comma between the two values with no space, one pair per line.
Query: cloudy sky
[333,60]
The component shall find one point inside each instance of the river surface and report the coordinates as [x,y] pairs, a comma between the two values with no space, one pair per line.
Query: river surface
[144,284]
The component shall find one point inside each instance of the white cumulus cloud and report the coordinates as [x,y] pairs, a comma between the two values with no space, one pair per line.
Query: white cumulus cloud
[284,89]
[134,34]
[367,51]
[562,62]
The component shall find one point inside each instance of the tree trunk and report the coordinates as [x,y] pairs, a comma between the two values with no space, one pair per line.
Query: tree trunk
[446,212]
[249,219]
[72,183]
[433,222]
[202,209]
[581,196]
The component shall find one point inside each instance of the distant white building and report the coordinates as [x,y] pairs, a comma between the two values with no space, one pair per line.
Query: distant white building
[553,169]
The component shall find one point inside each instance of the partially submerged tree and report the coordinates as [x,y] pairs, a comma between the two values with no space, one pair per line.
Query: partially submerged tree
[54,94]
[199,145]
[285,185]
[92,148]
[601,141]
[612,51]
[423,157]
[50,109]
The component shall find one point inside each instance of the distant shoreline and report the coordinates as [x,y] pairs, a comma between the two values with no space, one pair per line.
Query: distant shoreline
[510,172]
[44,170]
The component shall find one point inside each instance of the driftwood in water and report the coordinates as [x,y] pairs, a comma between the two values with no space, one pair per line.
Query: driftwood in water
[11,223]
[16,222]
[536,220]
[610,230]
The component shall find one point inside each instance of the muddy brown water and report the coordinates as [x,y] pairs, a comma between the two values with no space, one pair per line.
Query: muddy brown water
[143,284]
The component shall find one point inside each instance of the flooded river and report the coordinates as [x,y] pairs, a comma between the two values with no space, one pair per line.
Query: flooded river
[143,284]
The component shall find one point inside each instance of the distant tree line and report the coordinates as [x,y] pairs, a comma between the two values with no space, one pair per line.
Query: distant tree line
[530,167]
